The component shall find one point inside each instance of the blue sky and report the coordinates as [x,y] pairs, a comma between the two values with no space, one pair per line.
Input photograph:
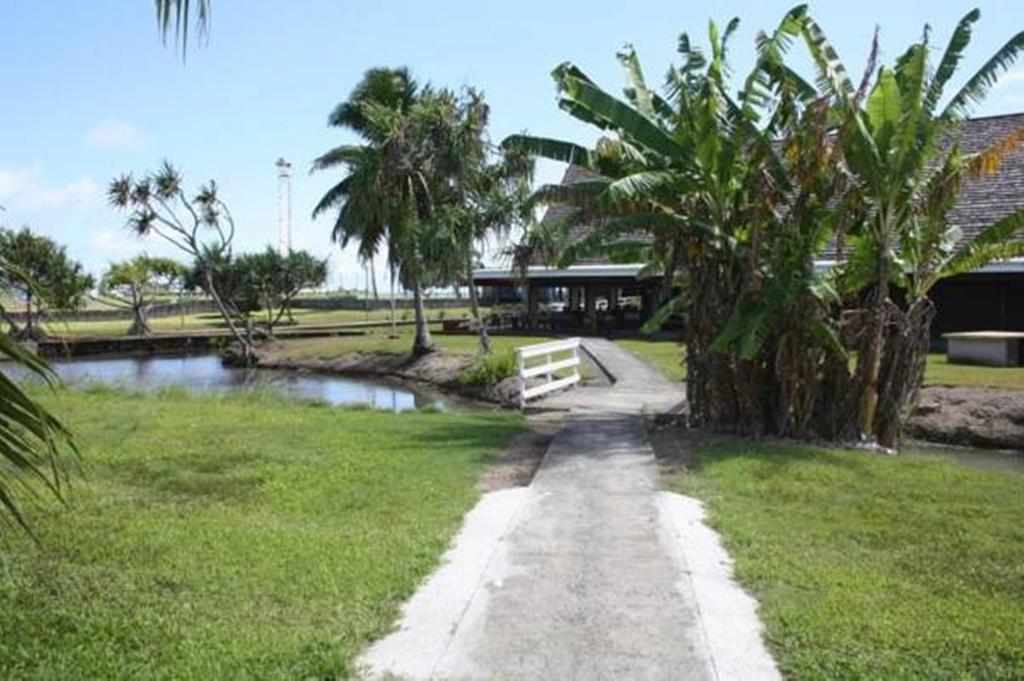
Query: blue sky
[89,92]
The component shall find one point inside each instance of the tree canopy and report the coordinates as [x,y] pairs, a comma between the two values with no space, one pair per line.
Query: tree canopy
[40,273]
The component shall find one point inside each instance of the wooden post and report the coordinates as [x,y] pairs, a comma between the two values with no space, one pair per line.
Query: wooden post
[590,307]
[521,366]
[531,306]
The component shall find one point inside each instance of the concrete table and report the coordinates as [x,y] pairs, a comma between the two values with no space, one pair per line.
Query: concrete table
[992,348]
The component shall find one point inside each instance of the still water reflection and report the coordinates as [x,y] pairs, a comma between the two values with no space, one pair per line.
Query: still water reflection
[205,373]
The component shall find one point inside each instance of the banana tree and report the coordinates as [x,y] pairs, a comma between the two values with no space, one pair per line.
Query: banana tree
[899,150]
[754,186]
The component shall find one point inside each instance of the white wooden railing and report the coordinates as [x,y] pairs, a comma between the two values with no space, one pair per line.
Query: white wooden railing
[551,366]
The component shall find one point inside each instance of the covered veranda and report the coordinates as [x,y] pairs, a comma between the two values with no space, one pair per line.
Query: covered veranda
[592,298]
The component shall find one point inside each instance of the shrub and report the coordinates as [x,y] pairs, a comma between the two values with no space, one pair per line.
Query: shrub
[491,369]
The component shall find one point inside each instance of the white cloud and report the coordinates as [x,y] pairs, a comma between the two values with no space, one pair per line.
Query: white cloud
[25,189]
[113,242]
[115,134]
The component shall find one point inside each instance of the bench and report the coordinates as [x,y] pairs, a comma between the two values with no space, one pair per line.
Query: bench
[991,348]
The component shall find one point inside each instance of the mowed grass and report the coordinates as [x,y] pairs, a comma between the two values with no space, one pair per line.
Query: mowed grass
[379,340]
[941,372]
[239,537]
[195,322]
[868,566]
[667,355]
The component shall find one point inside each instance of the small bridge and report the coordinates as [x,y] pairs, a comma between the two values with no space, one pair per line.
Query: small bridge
[559,357]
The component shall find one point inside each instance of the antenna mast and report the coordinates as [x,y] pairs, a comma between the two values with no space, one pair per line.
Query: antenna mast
[284,207]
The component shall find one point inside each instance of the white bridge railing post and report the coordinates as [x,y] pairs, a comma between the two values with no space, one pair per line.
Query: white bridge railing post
[549,369]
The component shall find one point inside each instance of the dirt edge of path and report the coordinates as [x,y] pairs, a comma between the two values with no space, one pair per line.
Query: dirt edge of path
[518,462]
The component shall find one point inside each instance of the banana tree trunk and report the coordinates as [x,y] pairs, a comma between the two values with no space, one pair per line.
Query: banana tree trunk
[872,356]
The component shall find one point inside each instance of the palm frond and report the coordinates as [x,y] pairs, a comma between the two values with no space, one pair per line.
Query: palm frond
[33,441]
[177,15]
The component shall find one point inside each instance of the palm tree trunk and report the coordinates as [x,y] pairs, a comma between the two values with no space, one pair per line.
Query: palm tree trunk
[474,304]
[394,329]
[423,343]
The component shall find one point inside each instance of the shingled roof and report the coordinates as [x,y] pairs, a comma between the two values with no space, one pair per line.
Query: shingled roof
[990,198]
[981,202]
[559,213]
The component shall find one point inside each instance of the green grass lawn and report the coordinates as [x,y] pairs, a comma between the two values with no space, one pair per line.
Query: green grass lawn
[941,372]
[208,321]
[380,341]
[239,537]
[873,567]
[667,355]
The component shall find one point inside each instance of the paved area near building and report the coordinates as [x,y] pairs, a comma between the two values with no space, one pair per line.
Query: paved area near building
[588,573]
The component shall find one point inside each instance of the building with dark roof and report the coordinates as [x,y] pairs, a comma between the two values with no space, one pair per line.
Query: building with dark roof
[991,298]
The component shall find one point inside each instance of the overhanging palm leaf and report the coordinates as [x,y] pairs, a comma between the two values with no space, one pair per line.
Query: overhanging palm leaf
[32,440]
[178,14]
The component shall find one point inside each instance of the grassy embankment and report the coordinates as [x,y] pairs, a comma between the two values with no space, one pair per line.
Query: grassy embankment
[872,567]
[234,537]
[501,364]
[667,355]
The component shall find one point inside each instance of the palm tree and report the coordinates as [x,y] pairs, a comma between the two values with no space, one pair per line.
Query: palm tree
[386,192]
[177,15]
[487,193]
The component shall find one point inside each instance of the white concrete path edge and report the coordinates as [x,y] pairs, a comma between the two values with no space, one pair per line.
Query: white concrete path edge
[431,619]
[732,630]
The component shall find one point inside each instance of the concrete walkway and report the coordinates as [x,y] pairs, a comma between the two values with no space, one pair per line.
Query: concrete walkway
[588,573]
[638,387]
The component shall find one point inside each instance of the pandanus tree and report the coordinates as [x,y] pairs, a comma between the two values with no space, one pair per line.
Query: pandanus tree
[269,281]
[750,188]
[133,284]
[200,226]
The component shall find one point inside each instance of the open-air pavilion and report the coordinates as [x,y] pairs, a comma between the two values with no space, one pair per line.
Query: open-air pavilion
[593,297]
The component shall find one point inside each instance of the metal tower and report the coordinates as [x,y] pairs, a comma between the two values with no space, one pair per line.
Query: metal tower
[284,206]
